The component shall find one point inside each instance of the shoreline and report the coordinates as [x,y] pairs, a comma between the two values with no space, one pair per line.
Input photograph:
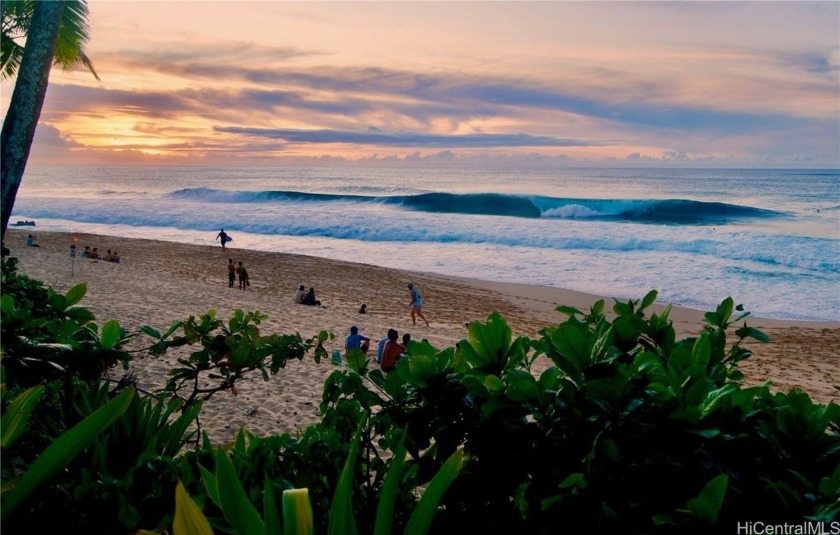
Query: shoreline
[160,282]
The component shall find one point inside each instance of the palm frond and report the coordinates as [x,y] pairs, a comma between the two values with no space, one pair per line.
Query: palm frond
[17,15]
[73,35]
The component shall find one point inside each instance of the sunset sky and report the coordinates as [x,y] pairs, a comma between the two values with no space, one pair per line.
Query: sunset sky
[751,84]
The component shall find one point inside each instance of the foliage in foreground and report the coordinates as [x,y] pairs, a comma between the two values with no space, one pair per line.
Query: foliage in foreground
[628,429]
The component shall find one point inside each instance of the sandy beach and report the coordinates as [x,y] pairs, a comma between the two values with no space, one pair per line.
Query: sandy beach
[158,283]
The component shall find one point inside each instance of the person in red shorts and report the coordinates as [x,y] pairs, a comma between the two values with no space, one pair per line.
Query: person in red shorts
[392,351]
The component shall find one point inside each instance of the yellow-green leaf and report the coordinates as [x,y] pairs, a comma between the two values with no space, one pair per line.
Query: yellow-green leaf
[189,520]
[14,420]
[424,513]
[297,512]
[236,506]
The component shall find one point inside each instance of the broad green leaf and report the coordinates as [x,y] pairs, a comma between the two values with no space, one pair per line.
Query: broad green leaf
[297,513]
[271,514]
[707,505]
[622,309]
[236,506]
[493,383]
[390,490]
[702,351]
[568,311]
[750,332]
[65,449]
[424,513]
[422,368]
[830,486]
[724,310]
[150,331]
[14,419]
[648,299]
[111,333]
[356,359]
[79,313]
[172,328]
[7,305]
[715,398]
[522,387]
[576,479]
[211,484]
[342,520]
[189,520]
[76,294]
[572,353]
[488,343]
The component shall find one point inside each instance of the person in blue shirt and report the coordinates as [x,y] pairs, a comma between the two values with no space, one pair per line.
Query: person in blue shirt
[416,304]
[357,341]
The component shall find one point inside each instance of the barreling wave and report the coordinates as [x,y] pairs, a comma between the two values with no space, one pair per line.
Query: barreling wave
[661,211]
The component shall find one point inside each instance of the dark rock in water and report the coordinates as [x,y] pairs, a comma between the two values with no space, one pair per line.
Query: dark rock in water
[25,223]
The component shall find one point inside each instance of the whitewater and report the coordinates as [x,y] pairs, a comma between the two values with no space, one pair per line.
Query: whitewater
[770,239]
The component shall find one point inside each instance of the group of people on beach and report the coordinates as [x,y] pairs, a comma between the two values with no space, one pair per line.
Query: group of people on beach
[240,271]
[302,297]
[389,348]
[94,255]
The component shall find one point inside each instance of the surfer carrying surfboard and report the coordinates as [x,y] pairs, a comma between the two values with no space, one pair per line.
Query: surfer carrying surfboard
[225,238]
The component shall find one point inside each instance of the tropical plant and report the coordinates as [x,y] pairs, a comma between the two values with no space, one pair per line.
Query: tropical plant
[230,496]
[227,352]
[73,35]
[55,31]
[47,336]
[59,454]
[628,429]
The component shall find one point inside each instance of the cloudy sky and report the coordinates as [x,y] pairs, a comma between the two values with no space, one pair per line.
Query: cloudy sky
[554,83]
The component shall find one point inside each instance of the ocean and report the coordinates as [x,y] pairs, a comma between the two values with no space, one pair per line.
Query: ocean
[770,239]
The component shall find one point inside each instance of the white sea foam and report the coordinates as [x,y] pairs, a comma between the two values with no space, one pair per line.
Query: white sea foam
[783,266]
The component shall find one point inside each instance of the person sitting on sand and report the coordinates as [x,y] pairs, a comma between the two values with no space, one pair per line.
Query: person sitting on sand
[300,294]
[309,299]
[115,258]
[94,254]
[109,256]
[86,252]
[363,309]
[391,352]
[357,341]
[380,347]
[30,241]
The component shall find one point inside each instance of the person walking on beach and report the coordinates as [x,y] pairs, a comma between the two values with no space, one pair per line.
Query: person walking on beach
[225,238]
[243,276]
[231,273]
[415,305]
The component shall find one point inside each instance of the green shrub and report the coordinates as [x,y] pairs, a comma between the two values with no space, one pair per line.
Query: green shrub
[628,429]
